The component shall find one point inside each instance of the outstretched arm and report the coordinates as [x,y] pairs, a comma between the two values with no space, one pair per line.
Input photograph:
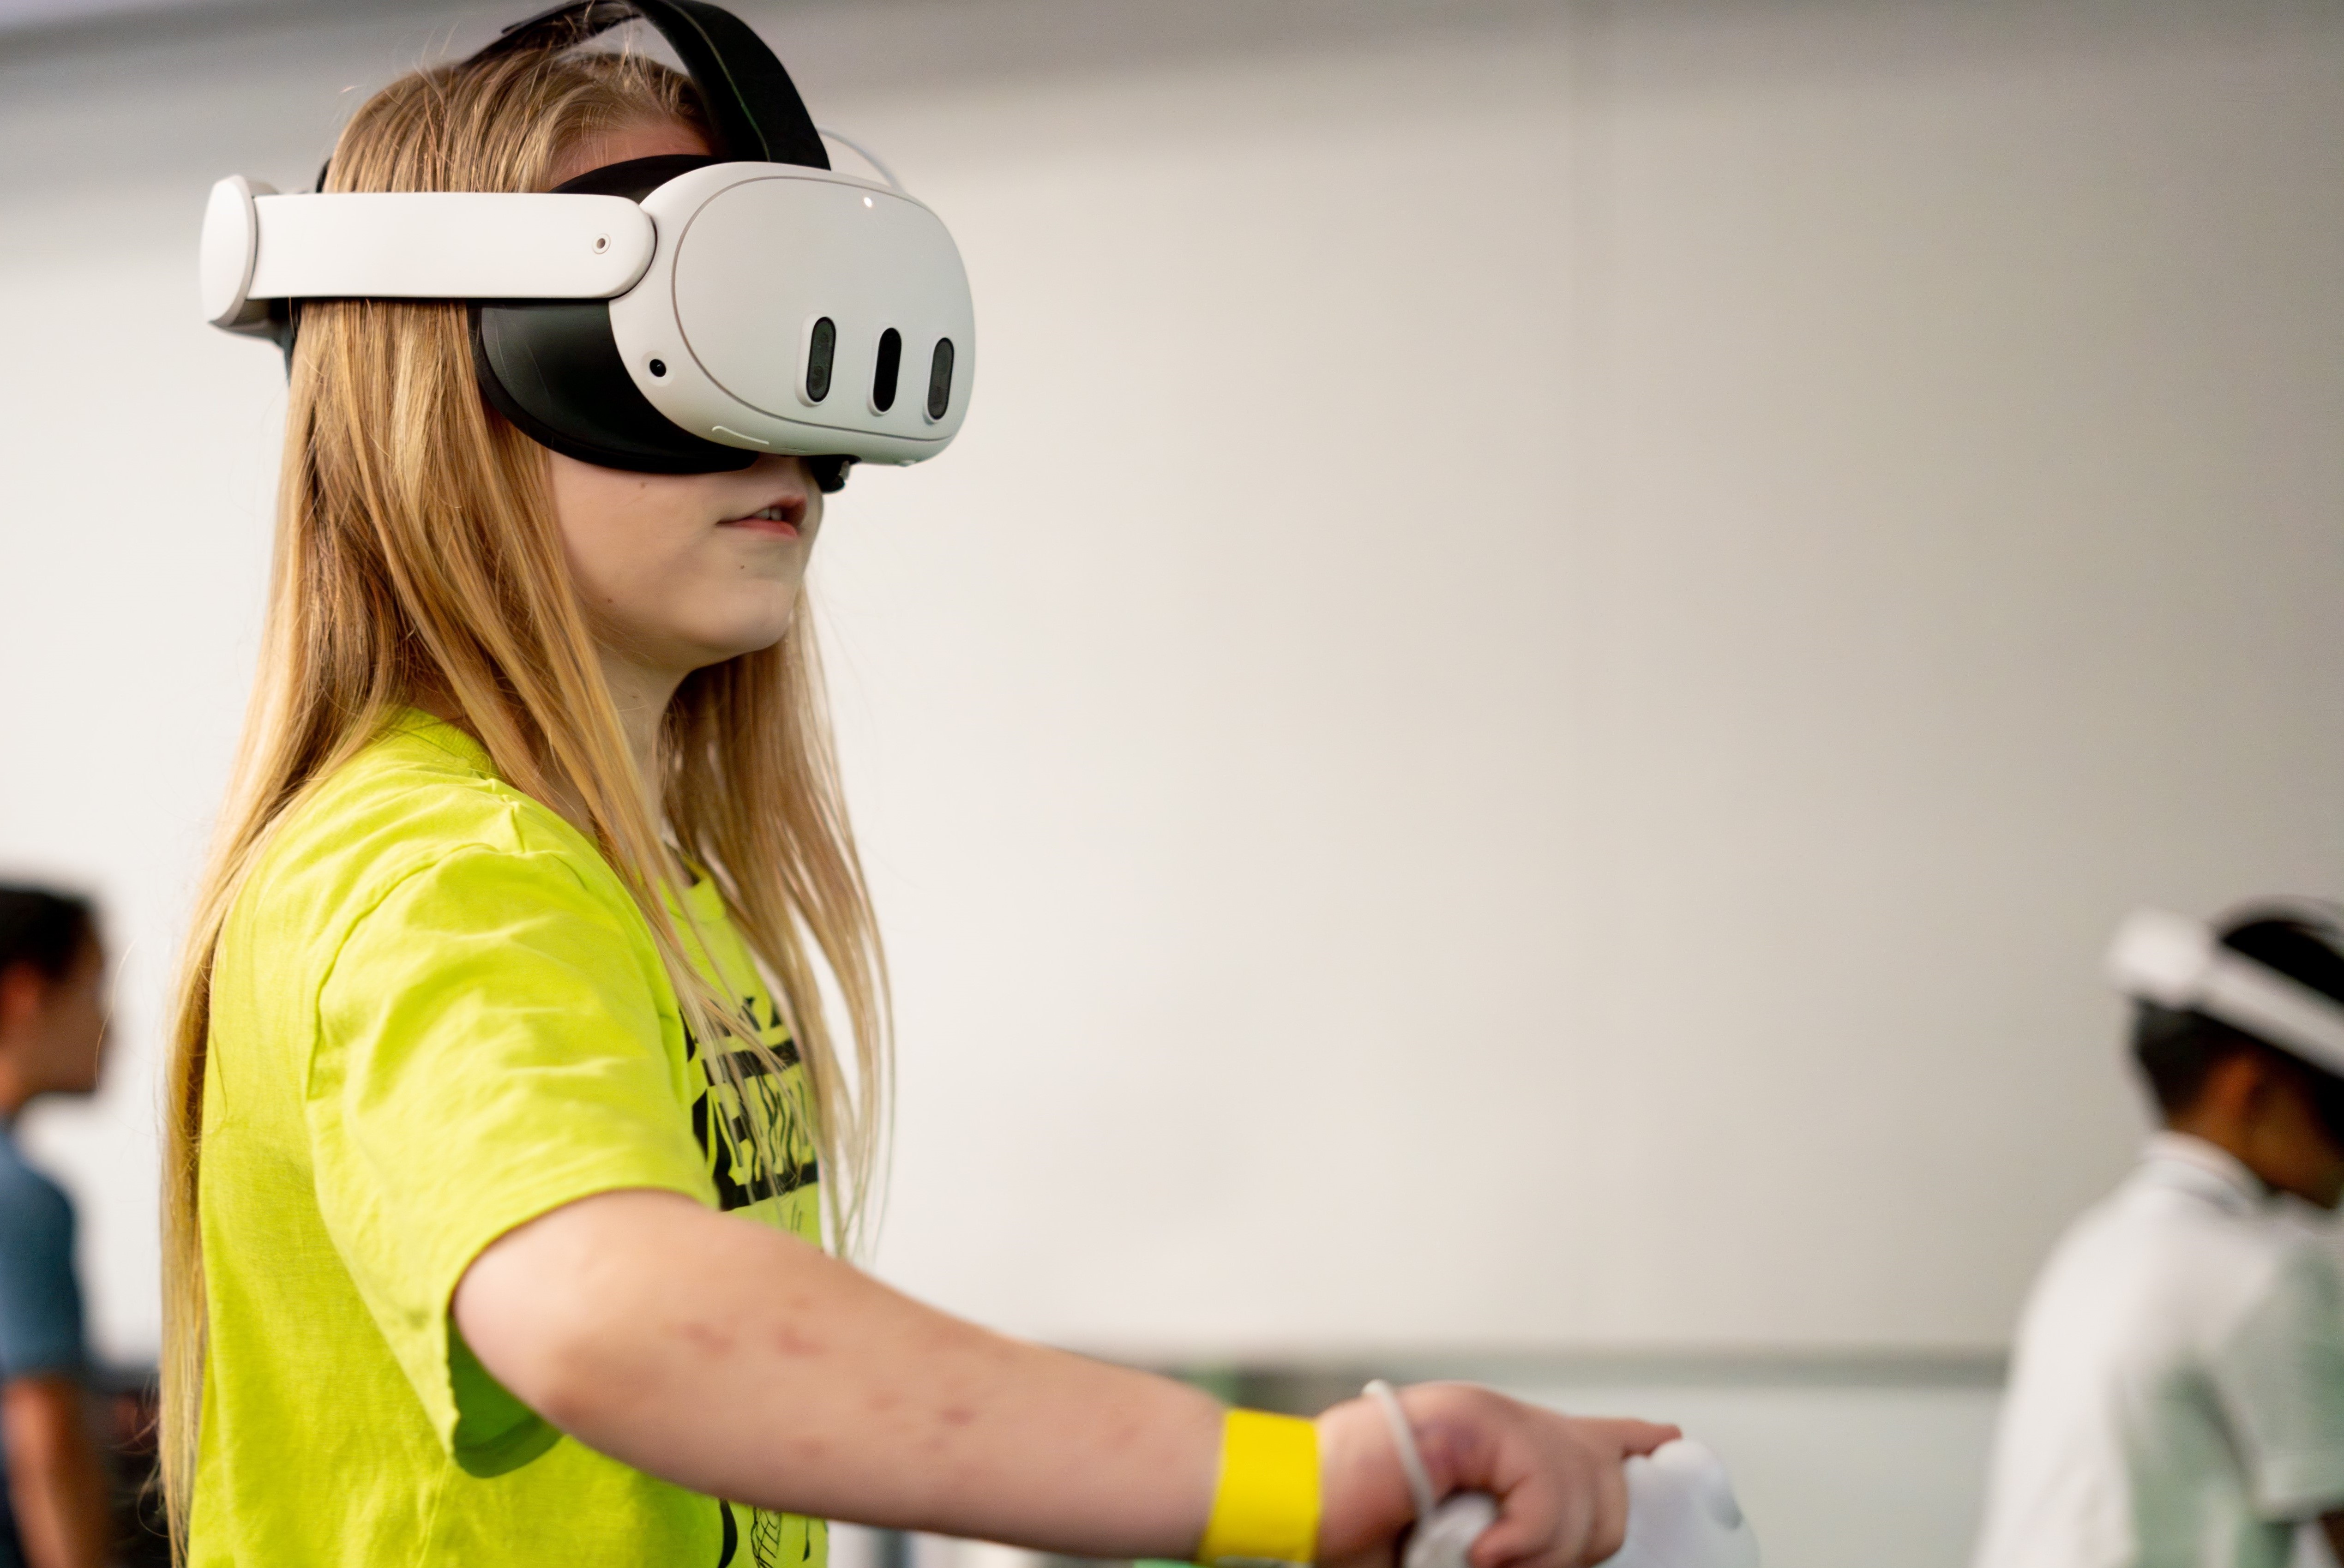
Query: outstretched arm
[741,1362]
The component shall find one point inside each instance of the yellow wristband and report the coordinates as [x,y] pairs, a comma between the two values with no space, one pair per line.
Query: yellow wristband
[1266,1507]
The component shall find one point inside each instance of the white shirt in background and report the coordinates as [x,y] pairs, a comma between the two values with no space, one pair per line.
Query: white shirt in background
[2176,1393]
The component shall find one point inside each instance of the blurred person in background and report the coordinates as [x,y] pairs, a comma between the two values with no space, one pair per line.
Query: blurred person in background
[2177,1391]
[52,1033]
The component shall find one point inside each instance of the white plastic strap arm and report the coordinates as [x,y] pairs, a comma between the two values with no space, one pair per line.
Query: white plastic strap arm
[866,155]
[2177,962]
[415,245]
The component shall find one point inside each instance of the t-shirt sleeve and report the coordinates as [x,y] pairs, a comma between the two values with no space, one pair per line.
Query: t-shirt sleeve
[2280,1374]
[489,1049]
[40,1302]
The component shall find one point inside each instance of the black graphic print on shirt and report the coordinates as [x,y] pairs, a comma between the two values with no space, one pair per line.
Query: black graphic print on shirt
[743,1174]
[787,1189]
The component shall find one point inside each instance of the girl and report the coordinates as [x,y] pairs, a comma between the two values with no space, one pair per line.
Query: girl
[504,1087]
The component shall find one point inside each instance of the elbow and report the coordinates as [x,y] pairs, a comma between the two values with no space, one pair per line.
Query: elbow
[40,1420]
[554,1372]
[554,1355]
[560,1323]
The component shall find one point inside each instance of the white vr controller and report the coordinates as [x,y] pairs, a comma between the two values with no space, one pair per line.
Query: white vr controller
[1682,1511]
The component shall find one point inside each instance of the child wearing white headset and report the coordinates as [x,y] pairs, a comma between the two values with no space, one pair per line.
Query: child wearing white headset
[507,1094]
[2176,1393]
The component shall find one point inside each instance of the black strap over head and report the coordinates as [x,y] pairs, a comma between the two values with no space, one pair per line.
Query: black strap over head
[754,108]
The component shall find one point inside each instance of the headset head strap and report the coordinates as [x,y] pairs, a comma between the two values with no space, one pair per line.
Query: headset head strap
[2185,966]
[754,108]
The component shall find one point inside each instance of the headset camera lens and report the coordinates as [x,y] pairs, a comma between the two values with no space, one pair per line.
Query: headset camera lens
[940,379]
[883,379]
[821,345]
[658,366]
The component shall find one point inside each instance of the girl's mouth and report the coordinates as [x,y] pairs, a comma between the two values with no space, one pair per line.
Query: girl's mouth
[781,518]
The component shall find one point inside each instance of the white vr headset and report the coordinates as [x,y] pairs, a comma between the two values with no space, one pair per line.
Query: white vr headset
[666,315]
[2179,963]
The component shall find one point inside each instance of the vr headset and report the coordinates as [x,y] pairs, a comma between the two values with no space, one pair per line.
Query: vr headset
[2178,963]
[665,315]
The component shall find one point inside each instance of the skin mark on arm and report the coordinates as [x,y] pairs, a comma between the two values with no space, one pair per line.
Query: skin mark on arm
[791,1340]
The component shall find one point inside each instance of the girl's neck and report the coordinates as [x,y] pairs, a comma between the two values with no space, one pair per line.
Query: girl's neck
[641,696]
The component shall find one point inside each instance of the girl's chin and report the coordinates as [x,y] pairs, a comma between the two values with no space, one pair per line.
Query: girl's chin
[742,640]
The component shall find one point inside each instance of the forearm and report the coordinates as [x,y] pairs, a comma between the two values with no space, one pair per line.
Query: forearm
[61,1516]
[744,1363]
[56,1481]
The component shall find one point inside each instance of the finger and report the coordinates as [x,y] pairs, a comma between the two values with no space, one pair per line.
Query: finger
[1607,1528]
[1628,1436]
[1535,1528]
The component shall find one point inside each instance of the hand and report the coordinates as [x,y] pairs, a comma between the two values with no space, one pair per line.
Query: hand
[1562,1499]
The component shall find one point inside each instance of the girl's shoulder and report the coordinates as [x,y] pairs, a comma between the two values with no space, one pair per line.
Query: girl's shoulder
[421,790]
[422,798]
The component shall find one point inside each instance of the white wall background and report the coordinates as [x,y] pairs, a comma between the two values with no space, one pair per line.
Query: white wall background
[1555,636]
[1606,779]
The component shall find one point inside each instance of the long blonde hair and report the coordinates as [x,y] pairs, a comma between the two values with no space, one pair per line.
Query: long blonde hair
[418,561]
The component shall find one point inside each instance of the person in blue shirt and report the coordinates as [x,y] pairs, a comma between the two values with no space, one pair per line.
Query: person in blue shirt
[53,1510]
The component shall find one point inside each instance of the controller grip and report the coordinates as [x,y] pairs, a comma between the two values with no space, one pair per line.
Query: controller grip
[1681,1513]
[1442,1540]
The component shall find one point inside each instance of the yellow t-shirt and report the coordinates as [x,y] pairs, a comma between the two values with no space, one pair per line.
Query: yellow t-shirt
[436,1014]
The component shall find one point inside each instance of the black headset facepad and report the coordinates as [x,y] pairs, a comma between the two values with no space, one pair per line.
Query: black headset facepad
[664,315]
